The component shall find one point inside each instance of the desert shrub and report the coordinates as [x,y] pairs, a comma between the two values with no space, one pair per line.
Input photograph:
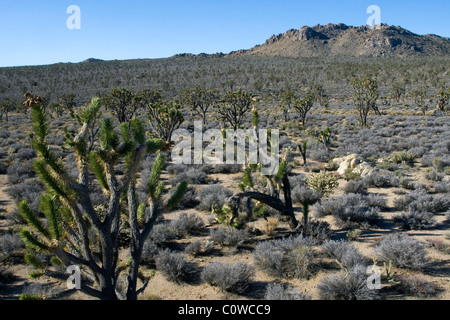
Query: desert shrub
[376,200]
[18,173]
[189,200]
[442,187]
[323,182]
[356,186]
[162,233]
[37,291]
[403,251]
[357,217]
[300,194]
[325,207]
[414,219]
[187,225]
[289,257]
[191,175]
[177,169]
[422,201]
[381,179]
[320,231]
[227,168]
[433,175]
[416,285]
[24,154]
[232,278]
[277,291]
[329,206]
[198,247]
[228,237]
[173,265]
[149,252]
[213,196]
[418,152]
[402,157]
[10,243]
[6,277]
[3,167]
[347,286]
[320,154]
[29,190]
[344,252]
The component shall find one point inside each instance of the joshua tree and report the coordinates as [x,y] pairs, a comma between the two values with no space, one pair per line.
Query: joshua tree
[303,106]
[397,91]
[123,103]
[303,148]
[234,107]
[89,115]
[320,95]
[442,98]
[5,107]
[275,185]
[420,98]
[67,101]
[200,100]
[165,118]
[74,231]
[365,95]
[325,137]
[286,100]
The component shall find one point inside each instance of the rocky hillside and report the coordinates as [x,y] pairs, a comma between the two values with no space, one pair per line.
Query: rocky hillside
[339,40]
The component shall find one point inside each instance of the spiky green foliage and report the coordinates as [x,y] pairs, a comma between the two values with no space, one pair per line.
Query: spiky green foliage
[303,106]
[165,118]
[323,182]
[99,170]
[30,217]
[49,205]
[276,184]
[325,137]
[68,227]
[178,195]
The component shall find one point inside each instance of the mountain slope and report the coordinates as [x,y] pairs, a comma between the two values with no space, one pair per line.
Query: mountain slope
[342,40]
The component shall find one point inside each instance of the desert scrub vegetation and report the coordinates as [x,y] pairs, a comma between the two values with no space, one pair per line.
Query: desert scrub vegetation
[173,265]
[403,135]
[352,210]
[402,250]
[289,257]
[228,277]
[350,285]
[278,291]
[416,285]
[344,253]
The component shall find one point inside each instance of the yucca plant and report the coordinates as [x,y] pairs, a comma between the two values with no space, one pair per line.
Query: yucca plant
[276,184]
[365,96]
[165,118]
[73,231]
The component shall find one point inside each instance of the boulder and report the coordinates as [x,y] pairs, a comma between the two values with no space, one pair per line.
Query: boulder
[356,163]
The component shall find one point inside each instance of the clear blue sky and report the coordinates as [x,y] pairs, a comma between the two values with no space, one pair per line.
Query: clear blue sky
[34,32]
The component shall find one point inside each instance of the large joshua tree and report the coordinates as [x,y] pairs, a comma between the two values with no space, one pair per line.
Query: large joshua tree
[70,230]
[234,107]
[365,95]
